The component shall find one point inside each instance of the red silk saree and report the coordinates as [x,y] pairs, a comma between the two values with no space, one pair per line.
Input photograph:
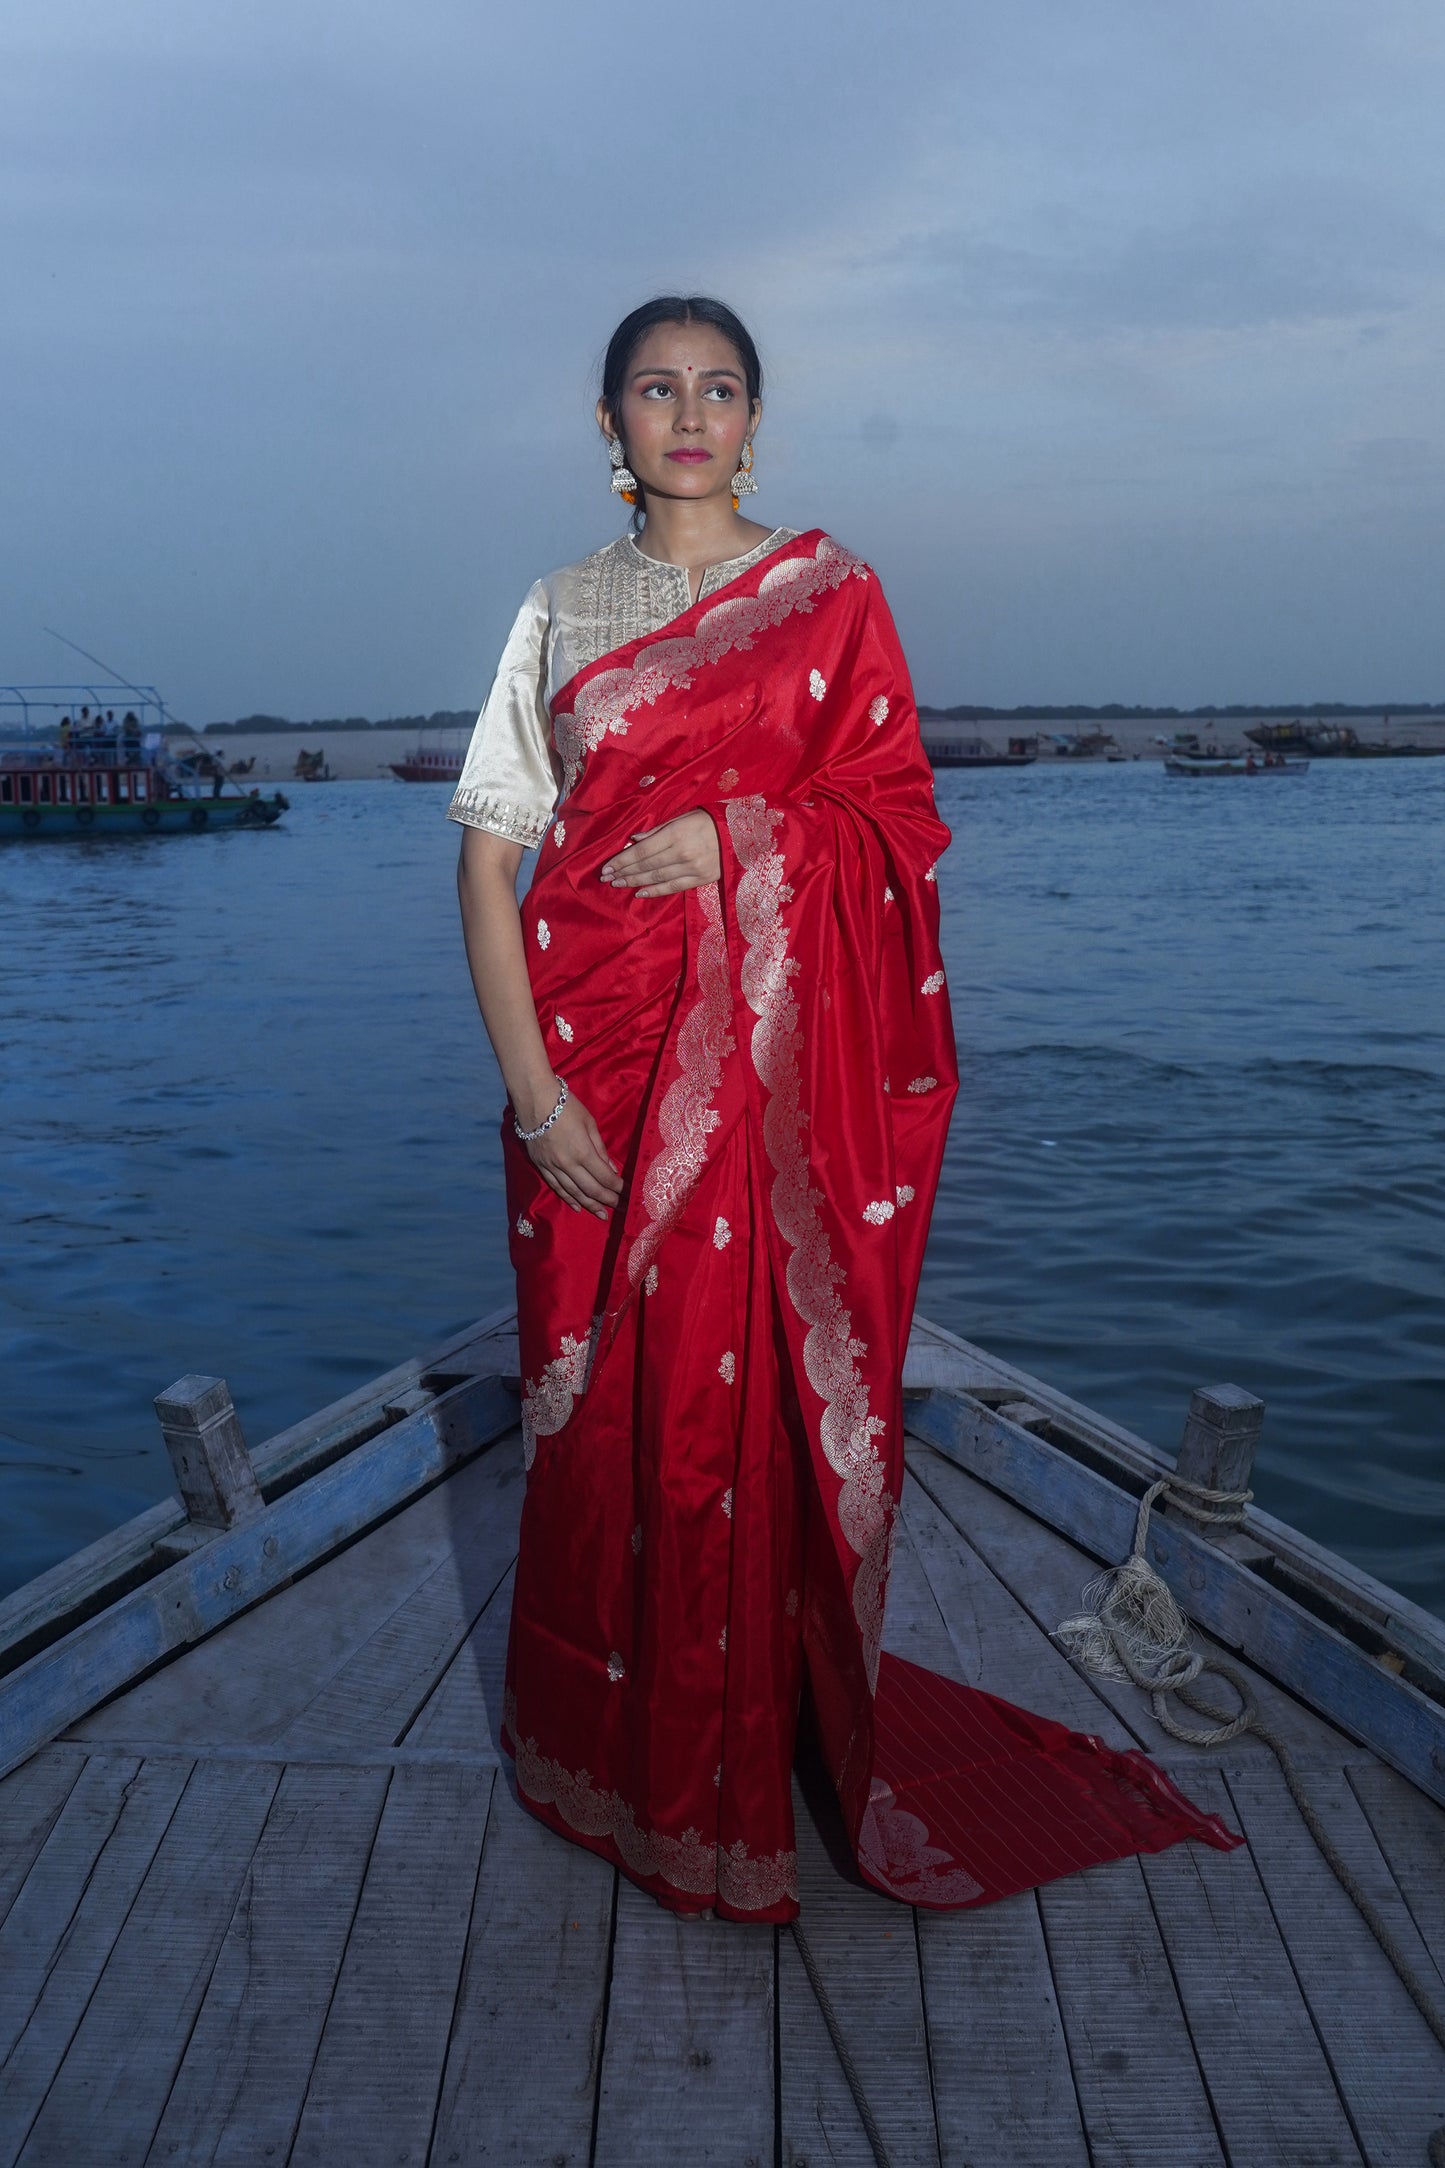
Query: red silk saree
[712,1399]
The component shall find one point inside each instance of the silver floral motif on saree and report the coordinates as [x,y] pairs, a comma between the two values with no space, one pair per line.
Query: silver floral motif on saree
[687,1117]
[847,1428]
[688,1862]
[547,1405]
[607,702]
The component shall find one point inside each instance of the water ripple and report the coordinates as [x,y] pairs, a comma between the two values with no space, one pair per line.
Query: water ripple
[251,1128]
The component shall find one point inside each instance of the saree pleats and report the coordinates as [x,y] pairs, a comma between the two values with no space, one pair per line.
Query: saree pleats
[712,1398]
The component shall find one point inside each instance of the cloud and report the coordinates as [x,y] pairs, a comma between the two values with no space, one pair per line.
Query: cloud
[1283,255]
[1069,316]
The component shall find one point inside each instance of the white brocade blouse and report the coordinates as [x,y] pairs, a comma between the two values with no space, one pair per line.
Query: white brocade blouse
[512,776]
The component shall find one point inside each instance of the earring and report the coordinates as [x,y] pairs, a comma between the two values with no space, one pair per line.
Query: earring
[624,481]
[743,483]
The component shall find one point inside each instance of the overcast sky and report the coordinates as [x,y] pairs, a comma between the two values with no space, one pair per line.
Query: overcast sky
[1112,335]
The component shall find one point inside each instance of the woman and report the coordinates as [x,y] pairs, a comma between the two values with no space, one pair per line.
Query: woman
[721,1017]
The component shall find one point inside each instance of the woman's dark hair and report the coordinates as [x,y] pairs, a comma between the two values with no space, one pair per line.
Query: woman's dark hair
[676,309]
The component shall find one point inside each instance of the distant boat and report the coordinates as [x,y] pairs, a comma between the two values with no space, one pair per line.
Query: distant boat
[1324,739]
[433,761]
[430,764]
[949,750]
[45,798]
[1275,764]
[1379,749]
[111,780]
[1086,745]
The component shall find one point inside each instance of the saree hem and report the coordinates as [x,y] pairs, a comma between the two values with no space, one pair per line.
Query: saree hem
[716,1878]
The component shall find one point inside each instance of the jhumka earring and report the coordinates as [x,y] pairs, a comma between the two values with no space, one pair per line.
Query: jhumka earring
[624,481]
[743,483]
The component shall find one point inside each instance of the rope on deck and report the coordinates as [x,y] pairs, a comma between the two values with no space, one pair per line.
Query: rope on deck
[1219,1508]
[1132,1628]
[840,2046]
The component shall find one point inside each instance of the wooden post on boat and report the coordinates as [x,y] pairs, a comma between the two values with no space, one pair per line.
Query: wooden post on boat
[1221,1432]
[208,1452]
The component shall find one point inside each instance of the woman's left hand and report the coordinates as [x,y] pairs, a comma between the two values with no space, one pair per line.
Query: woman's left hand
[682,853]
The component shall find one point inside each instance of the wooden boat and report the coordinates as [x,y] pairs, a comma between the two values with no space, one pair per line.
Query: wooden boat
[266,1893]
[948,749]
[1380,749]
[1326,740]
[96,777]
[46,794]
[1275,764]
[430,764]
[1085,744]
[1337,740]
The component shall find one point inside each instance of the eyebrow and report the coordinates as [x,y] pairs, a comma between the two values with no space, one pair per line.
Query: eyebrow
[735,374]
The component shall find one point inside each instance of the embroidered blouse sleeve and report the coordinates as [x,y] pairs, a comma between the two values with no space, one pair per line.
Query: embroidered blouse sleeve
[509,780]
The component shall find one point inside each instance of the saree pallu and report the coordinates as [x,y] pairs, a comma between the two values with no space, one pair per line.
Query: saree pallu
[712,1378]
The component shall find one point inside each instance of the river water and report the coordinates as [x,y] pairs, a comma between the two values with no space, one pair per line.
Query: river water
[249,1127]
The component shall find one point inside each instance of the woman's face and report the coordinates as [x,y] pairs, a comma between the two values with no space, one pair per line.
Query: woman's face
[684,412]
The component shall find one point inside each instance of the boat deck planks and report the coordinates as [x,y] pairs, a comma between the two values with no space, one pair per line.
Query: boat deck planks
[60,1936]
[1129,2043]
[243,2079]
[383,2051]
[866,1950]
[277,1901]
[1270,2086]
[30,1802]
[687,2068]
[299,1659]
[106,2099]
[1003,2083]
[1410,1832]
[521,2077]
[1387,2066]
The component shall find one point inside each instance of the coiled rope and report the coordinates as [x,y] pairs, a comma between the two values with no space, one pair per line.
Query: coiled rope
[1132,1628]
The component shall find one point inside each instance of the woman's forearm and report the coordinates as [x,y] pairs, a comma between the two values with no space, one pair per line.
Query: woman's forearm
[492,928]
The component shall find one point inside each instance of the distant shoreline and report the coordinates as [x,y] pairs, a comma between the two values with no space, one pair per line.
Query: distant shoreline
[1319,711]
[1020,720]
[365,755]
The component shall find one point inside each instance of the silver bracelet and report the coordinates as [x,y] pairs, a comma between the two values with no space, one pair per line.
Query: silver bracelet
[527,1135]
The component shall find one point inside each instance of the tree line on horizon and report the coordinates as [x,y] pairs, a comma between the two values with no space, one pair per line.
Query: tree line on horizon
[1320,710]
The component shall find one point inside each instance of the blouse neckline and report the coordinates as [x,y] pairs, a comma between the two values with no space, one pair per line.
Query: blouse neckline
[731,568]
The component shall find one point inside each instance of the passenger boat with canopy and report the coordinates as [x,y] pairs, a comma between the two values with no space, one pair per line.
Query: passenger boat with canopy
[69,768]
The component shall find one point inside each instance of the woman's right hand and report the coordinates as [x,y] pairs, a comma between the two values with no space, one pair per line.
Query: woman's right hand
[572,1159]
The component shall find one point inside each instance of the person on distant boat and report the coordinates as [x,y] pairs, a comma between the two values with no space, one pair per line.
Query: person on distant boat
[723,1023]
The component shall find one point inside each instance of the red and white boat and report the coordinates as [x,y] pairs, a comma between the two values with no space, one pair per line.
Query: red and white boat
[431,764]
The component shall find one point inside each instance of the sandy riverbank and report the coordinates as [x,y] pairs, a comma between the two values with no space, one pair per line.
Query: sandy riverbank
[365,755]
[353,756]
